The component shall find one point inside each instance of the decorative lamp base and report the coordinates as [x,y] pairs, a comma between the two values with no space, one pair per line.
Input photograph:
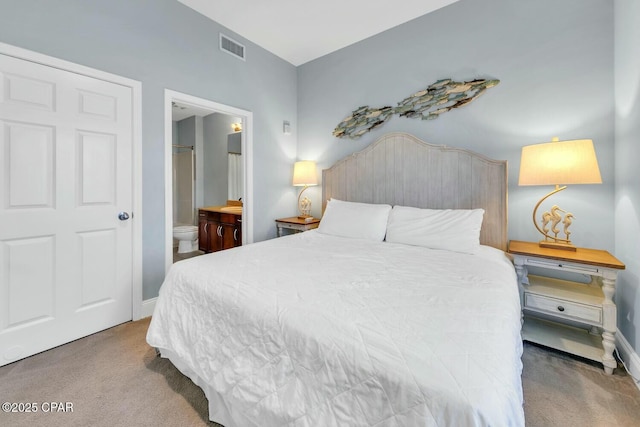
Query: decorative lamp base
[550,222]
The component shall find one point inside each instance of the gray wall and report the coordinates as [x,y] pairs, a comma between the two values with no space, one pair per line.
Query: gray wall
[165,44]
[557,79]
[175,135]
[627,213]
[186,132]
[554,60]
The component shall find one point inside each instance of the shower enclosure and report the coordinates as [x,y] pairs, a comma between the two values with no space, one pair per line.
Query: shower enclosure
[183,185]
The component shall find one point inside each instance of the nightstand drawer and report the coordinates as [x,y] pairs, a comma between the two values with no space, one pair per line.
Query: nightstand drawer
[558,307]
[299,227]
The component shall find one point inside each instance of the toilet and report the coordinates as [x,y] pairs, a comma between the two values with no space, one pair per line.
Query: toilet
[187,237]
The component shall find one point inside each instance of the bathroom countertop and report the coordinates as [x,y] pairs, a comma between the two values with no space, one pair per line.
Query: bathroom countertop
[236,210]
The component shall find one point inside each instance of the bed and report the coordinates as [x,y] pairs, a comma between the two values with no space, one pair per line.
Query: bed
[401,309]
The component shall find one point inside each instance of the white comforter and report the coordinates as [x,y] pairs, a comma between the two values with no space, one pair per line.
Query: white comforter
[315,330]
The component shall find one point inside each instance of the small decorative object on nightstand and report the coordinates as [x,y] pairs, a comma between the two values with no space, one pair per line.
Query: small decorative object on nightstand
[579,318]
[296,224]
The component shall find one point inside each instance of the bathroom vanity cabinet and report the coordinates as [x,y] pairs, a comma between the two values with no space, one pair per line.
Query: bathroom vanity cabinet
[218,230]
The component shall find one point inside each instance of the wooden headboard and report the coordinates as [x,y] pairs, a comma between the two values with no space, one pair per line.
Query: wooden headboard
[400,169]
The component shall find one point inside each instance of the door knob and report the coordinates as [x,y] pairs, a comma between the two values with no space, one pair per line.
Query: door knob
[123,216]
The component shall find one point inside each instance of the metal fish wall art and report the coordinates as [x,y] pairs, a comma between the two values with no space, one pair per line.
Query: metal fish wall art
[440,97]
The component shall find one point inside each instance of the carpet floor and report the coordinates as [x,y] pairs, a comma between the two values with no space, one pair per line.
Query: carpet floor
[113,378]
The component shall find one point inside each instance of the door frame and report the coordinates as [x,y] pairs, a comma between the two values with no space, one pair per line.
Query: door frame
[247,155]
[136,159]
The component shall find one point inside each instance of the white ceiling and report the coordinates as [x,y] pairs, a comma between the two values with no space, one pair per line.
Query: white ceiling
[302,30]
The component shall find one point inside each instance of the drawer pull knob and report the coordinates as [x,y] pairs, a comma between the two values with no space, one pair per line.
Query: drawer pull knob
[560,308]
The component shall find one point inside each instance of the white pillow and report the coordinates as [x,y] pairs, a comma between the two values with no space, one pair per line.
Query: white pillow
[455,230]
[355,220]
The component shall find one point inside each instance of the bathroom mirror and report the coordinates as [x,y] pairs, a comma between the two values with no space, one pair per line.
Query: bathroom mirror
[235,165]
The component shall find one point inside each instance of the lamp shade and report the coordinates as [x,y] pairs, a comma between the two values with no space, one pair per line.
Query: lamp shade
[559,163]
[304,173]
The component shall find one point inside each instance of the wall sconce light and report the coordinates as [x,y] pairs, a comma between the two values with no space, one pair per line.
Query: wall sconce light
[237,127]
[304,175]
[555,163]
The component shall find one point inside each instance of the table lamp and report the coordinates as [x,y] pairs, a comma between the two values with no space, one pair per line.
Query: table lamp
[556,163]
[304,175]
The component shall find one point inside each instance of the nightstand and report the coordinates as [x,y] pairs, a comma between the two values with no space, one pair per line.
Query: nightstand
[296,224]
[578,318]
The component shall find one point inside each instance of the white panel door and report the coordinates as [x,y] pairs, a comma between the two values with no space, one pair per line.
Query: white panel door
[65,175]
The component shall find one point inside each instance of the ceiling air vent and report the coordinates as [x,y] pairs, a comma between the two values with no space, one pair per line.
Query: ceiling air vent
[231,46]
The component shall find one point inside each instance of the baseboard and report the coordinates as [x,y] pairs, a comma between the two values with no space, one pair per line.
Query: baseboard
[629,357]
[148,306]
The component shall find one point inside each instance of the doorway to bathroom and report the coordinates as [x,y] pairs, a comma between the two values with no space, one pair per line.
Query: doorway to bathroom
[195,129]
